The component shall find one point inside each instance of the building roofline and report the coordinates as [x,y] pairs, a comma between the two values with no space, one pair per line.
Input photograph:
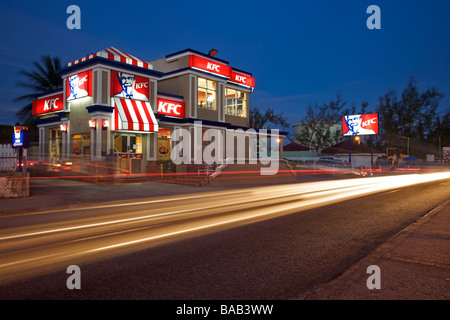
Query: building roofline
[159,93]
[239,70]
[197,53]
[173,73]
[60,90]
[108,62]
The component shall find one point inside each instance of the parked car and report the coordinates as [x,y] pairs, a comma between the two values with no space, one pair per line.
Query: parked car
[332,162]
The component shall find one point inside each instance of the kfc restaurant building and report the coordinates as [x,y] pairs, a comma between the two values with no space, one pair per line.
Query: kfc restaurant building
[121,111]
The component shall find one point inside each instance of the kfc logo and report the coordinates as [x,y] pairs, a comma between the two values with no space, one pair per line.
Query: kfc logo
[243,79]
[213,67]
[129,86]
[142,85]
[240,78]
[48,104]
[369,122]
[82,80]
[209,66]
[78,86]
[171,108]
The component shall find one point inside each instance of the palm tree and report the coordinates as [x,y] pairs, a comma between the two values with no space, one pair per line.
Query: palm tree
[42,80]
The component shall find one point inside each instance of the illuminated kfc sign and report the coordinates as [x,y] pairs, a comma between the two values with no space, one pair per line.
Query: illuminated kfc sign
[78,86]
[48,104]
[209,66]
[360,124]
[170,108]
[129,86]
[243,79]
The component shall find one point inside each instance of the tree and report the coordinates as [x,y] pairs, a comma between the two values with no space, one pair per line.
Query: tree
[322,125]
[44,79]
[264,121]
[6,134]
[412,116]
[440,136]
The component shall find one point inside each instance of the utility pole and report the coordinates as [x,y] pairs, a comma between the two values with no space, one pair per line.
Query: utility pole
[350,150]
[407,148]
[407,144]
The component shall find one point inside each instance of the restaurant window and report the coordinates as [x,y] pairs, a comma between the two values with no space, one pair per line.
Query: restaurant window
[206,94]
[235,103]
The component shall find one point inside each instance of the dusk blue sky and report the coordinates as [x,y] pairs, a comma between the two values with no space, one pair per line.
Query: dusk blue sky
[300,52]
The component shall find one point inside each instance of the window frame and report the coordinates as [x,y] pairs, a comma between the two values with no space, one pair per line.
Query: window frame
[209,87]
[236,102]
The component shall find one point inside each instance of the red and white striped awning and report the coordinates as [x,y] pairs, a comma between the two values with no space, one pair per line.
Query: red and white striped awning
[133,115]
[116,55]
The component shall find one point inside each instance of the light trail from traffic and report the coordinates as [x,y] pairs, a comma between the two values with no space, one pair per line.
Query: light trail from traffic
[119,228]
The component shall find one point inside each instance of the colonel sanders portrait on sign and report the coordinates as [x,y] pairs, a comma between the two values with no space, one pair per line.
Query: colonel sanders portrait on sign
[76,87]
[354,126]
[127,82]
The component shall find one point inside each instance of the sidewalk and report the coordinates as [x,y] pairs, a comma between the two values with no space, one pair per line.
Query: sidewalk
[414,265]
[51,194]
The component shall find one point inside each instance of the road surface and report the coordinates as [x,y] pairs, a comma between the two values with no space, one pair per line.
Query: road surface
[272,242]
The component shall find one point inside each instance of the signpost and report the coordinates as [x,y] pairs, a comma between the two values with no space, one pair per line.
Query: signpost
[20,141]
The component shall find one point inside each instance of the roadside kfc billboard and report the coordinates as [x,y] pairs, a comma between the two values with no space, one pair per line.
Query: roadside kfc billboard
[129,86]
[209,66]
[78,86]
[48,104]
[170,108]
[360,124]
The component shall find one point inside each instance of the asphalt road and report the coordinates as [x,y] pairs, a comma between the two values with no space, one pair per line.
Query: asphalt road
[267,243]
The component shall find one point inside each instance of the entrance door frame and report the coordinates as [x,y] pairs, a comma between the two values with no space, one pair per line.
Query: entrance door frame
[56,142]
[129,162]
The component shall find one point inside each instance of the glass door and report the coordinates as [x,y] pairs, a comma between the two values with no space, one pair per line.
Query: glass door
[128,151]
[55,145]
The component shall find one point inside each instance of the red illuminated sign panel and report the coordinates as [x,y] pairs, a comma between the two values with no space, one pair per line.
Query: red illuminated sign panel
[79,85]
[170,108]
[129,155]
[49,104]
[129,86]
[360,124]
[242,78]
[209,66]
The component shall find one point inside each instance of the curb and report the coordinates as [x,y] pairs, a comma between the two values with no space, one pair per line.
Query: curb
[404,273]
